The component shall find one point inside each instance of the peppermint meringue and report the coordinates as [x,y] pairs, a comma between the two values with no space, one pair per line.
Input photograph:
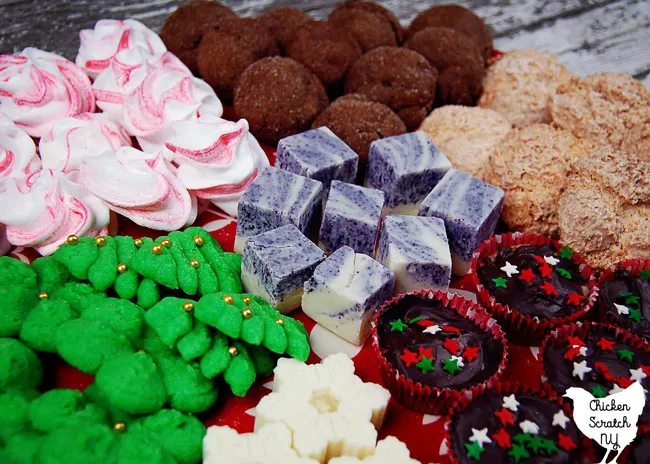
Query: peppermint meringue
[109,37]
[140,186]
[18,158]
[217,159]
[38,88]
[72,139]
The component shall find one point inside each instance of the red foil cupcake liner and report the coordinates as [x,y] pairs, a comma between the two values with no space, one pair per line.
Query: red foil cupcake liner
[424,398]
[633,266]
[508,388]
[522,329]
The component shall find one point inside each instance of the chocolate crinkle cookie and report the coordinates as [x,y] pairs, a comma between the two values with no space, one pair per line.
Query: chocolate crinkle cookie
[370,28]
[279,97]
[458,61]
[358,121]
[399,78]
[458,18]
[325,50]
[184,28]
[283,22]
[226,51]
[377,9]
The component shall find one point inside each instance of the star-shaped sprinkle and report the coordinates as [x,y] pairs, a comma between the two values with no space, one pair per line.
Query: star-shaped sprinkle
[549,289]
[425,365]
[434,329]
[644,274]
[459,361]
[500,282]
[575,341]
[616,389]
[580,369]
[409,357]
[428,352]
[527,275]
[623,381]
[474,450]
[626,355]
[529,427]
[546,271]
[635,315]
[622,309]
[510,402]
[629,298]
[583,350]
[451,366]
[564,273]
[571,353]
[505,416]
[552,260]
[415,320]
[451,345]
[480,436]
[637,375]
[605,345]
[575,299]
[510,269]
[561,419]
[502,438]
[518,453]
[539,259]
[470,353]
[522,438]
[536,443]
[450,329]
[598,392]
[646,369]
[549,446]
[565,442]
[566,253]
[397,326]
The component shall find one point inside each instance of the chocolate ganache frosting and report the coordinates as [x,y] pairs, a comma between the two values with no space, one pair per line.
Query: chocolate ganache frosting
[626,299]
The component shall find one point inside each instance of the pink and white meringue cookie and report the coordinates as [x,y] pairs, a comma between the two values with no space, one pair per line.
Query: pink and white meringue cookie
[217,159]
[5,246]
[109,37]
[140,186]
[38,88]
[54,208]
[72,139]
[18,158]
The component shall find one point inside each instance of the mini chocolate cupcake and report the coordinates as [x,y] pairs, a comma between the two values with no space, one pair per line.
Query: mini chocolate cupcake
[434,346]
[600,358]
[531,284]
[512,425]
[639,450]
[625,296]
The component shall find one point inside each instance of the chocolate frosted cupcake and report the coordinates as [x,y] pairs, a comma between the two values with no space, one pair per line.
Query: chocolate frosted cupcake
[433,346]
[513,426]
[600,358]
[532,283]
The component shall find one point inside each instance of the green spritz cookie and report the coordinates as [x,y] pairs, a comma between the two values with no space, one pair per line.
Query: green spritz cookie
[64,408]
[18,294]
[171,319]
[41,324]
[103,272]
[148,293]
[22,448]
[122,316]
[208,282]
[78,254]
[240,373]
[20,368]
[15,417]
[216,360]
[51,274]
[186,269]
[77,445]
[155,262]
[126,284]
[79,296]
[196,343]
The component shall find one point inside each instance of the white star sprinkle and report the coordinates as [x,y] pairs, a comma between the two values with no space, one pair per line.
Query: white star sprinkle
[580,369]
[510,269]
[583,350]
[510,402]
[560,419]
[637,375]
[622,309]
[529,427]
[551,260]
[616,389]
[459,361]
[433,329]
[480,436]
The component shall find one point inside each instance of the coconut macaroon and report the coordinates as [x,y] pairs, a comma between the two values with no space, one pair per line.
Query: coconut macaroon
[521,84]
[466,135]
[607,107]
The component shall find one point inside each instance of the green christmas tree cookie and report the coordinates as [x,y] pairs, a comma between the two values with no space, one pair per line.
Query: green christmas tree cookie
[20,368]
[41,324]
[78,254]
[171,319]
[50,274]
[122,316]
[18,294]
[62,407]
[103,272]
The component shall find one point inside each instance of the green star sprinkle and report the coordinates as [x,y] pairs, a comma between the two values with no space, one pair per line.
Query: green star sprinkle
[518,453]
[626,355]
[535,444]
[474,450]
[425,365]
[500,282]
[635,315]
[451,366]
[598,392]
[644,274]
[549,446]
[566,253]
[564,273]
[416,319]
[397,326]
[629,298]
[522,438]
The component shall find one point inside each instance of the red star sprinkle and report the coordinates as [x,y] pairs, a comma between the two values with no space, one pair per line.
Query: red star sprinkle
[575,299]
[424,323]
[452,346]
[624,382]
[565,442]
[572,353]
[502,438]
[428,352]
[470,353]
[646,370]
[527,275]
[604,370]
[546,271]
[575,341]
[450,329]
[606,345]
[409,357]
[539,259]
[506,417]
[549,289]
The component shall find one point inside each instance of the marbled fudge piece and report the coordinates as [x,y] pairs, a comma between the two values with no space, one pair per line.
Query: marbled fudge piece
[276,198]
[416,249]
[344,292]
[470,209]
[406,167]
[318,154]
[351,217]
[276,264]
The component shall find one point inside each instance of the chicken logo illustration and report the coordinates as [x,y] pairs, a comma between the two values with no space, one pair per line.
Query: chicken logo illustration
[610,421]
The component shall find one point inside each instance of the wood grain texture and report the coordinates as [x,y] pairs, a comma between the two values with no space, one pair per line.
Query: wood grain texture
[588,35]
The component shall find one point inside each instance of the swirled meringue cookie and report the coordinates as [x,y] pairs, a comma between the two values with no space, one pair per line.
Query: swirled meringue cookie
[38,88]
[18,159]
[55,207]
[143,187]
[217,159]
[109,37]
[72,139]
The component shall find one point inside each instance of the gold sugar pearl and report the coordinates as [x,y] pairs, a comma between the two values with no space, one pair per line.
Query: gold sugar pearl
[279,321]
[121,268]
[100,241]
[247,313]
[233,351]
[198,240]
[138,242]
[247,300]
[72,240]
[189,306]
[194,263]
[157,249]
[119,427]
[228,299]
[166,242]
[43,296]
[141,350]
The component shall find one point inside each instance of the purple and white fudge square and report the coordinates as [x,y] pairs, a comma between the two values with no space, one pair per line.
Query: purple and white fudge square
[352,216]
[276,264]
[276,198]
[470,209]
[406,167]
[318,154]
[344,292]
[416,249]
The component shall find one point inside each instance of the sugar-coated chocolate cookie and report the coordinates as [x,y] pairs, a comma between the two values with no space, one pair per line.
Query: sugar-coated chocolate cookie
[283,22]
[370,28]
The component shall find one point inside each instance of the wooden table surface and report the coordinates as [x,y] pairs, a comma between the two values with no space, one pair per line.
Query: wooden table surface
[588,35]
